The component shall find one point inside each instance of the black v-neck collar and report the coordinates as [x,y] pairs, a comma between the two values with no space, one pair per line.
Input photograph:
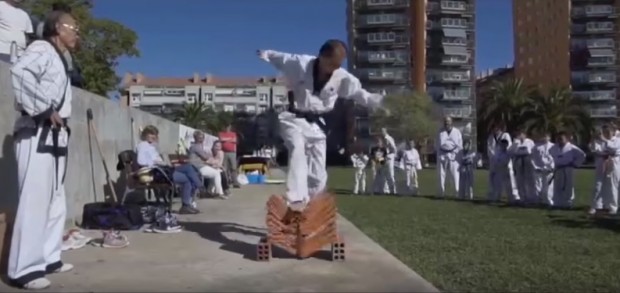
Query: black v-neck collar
[318,85]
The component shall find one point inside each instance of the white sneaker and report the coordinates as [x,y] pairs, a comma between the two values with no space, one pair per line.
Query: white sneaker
[75,240]
[66,267]
[592,211]
[38,284]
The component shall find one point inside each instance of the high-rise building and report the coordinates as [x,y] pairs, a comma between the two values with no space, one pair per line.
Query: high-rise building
[570,43]
[422,45]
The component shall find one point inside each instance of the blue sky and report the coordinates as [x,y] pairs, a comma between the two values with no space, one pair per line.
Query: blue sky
[178,38]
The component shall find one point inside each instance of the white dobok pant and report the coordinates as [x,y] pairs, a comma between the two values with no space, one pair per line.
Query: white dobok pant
[360,181]
[411,179]
[390,181]
[40,220]
[306,144]
[606,186]
[450,166]
[215,175]
[466,181]
[544,185]
[502,180]
[563,188]
[524,177]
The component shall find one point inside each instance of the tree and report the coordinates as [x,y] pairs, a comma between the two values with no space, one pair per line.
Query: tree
[556,111]
[505,105]
[411,117]
[102,43]
[201,116]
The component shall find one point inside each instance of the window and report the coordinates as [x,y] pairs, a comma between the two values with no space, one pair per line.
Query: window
[600,43]
[135,97]
[448,41]
[262,97]
[209,97]
[250,108]
[599,9]
[229,108]
[599,26]
[381,19]
[379,2]
[454,59]
[191,98]
[262,108]
[453,5]
[454,22]
[381,37]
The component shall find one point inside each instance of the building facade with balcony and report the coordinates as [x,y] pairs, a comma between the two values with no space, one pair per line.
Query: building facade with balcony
[164,96]
[422,45]
[571,43]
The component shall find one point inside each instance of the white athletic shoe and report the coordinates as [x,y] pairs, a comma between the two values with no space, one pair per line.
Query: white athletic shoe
[66,267]
[75,240]
[38,284]
[592,212]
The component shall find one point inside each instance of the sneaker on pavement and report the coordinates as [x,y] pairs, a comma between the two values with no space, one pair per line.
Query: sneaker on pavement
[38,284]
[188,210]
[592,211]
[114,239]
[66,267]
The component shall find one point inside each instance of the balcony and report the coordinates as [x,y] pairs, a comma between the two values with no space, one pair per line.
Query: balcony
[458,112]
[381,4]
[596,95]
[600,27]
[384,74]
[450,7]
[601,61]
[383,38]
[448,76]
[599,43]
[455,60]
[593,11]
[600,77]
[450,94]
[450,23]
[383,20]
[384,57]
[610,112]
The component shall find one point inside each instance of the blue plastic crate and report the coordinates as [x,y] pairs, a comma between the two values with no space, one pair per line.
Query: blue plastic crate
[256,179]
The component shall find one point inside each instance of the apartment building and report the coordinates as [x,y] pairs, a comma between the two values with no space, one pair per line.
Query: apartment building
[163,96]
[570,43]
[423,45]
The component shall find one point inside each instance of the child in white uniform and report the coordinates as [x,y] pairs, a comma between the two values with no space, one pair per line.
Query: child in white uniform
[412,163]
[360,161]
[467,160]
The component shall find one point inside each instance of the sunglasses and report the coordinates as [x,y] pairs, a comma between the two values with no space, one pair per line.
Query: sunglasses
[71,27]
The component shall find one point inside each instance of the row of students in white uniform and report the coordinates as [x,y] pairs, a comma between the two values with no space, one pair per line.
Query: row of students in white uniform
[378,161]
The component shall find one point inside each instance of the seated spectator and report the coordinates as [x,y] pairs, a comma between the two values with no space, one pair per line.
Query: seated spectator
[200,158]
[184,174]
[217,161]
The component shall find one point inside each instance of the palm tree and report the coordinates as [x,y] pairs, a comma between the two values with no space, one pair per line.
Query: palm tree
[504,105]
[558,110]
[193,114]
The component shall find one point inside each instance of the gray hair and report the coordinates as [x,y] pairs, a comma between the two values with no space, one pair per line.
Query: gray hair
[198,133]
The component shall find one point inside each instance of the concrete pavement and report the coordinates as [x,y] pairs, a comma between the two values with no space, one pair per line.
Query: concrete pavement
[215,253]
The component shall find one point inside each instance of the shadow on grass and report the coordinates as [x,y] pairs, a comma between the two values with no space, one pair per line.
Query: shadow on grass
[214,231]
[599,222]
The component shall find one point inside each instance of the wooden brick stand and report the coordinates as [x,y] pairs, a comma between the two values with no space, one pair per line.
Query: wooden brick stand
[302,233]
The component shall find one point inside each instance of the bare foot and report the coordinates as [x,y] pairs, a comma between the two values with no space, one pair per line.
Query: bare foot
[297,206]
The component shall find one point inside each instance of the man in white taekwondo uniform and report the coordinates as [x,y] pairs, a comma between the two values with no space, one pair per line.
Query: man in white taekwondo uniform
[493,146]
[390,145]
[449,143]
[43,96]
[316,82]
[606,149]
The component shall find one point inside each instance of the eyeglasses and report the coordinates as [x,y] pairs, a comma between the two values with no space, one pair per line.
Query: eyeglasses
[71,27]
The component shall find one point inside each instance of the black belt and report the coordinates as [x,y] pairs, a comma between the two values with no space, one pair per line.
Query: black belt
[311,117]
[55,150]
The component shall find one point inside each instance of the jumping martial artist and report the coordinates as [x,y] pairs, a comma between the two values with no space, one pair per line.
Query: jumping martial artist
[499,133]
[500,173]
[317,83]
[566,157]
[390,145]
[606,149]
[467,159]
[449,142]
[43,96]
[521,151]
[543,169]
[412,163]
[360,161]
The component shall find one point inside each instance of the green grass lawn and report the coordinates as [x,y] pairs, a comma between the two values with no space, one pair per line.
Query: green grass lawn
[469,246]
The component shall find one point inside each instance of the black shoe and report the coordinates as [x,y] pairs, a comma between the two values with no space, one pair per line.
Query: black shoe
[188,210]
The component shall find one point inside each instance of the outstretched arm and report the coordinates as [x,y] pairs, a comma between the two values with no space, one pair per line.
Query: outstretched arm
[351,88]
[288,64]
